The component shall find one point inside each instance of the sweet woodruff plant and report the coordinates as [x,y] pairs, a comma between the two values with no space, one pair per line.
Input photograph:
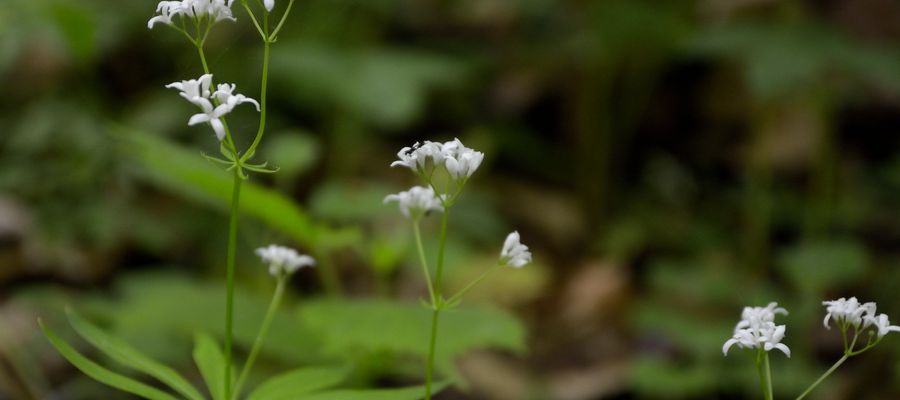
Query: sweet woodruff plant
[860,327]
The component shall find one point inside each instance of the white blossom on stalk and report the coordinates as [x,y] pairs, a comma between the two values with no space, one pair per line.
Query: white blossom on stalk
[882,323]
[757,329]
[416,201]
[215,10]
[461,161]
[197,91]
[418,156]
[514,253]
[848,311]
[270,4]
[193,89]
[284,259]
[224,95]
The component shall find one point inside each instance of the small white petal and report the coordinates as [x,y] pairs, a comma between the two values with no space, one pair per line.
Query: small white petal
[270,4]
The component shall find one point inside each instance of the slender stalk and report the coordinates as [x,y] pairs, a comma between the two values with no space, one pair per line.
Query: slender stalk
[423,261]
[262,98]
[429,372]
[825,375]
[229,297]
[287,12]
[261,336]
[760,369]
[768,376]
[439,302]
[472,284]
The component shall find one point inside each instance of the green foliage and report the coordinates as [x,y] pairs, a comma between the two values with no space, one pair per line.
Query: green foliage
[123,353]
[816,267]
[300,381]
[102,374]
[211,363]
[349,327]
[388,86]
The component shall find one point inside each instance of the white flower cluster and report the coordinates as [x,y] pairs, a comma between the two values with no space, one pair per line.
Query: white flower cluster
[514,253]
[416,201]
[460,161]
[757,329]
[284,259]
[215,10]
[197,91]
[850,312]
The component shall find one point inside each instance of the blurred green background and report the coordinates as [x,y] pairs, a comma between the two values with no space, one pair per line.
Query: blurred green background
[667,161]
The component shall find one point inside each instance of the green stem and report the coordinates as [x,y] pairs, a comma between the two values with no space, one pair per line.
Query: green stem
[825,375]
[429,372]
[262,97]
[768,368]
[439,271]
[287,12]
[423,261]
[762,374]
[229,298]
[263,332]
[439,302]
[472,284]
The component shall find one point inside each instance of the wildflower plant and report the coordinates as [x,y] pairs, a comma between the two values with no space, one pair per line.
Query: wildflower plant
[194,19]
[860,327]
[444,168]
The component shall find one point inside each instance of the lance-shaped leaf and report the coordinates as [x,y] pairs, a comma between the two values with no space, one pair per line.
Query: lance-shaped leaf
[211,364]
[410,393]
[123,353]
[101,374]
[300,381]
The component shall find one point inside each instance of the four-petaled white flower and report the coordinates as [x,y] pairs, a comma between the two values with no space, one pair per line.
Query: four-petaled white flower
[270,4]
[416,201]
[757,329]
[197,91]
[882,323]
[461,161]
[215,10]
[284,259]
[418,156]
[848,311]
[514,253]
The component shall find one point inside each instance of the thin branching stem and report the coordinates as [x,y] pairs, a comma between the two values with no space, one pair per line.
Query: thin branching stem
[230,260]
[261,336]
[423,260]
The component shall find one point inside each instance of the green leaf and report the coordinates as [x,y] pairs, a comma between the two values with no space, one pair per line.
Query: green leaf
[100,373]
[211,364]
[349,327]
[299,381]
[123,353]
[182,172]
[410,393]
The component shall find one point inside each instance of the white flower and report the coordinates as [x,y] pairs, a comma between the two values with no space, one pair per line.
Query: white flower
[416,157]
[193,89]
[844,311]
[416,201]
[757,329]
[514,253]
[212,116]
[197,92]
[224,95]
[270,4]
[461,161]
[284,259]
[216,10]
[882,324]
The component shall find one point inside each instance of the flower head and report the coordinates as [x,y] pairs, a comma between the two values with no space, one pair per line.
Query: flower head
[416,201]
[284,259]
[757,329]
[848,311]
[882,323]
[418,156]
[197,91]
[461,161]
[216,10]
[514,253]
